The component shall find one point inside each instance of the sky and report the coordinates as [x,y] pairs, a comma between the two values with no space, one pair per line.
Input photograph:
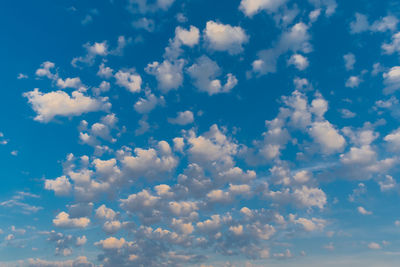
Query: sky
[200,133]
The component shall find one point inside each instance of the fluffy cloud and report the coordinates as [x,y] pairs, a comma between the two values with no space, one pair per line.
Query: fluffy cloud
[146,105]
[221,37]
[129,79]
[353,81]
[168,74]
[251,7]
[63,220]
[349,60]
[188,37]
[59,103]
[204,73]
[294,39]
[183,118]
[391,80]
[299,61]
[327,137]
[61,186]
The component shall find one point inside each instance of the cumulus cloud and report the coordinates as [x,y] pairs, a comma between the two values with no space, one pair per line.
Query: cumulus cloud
[183,118]
[391,80]
[327,137]
[295,39]
[361,24]
[61,186]
[363,211]
[252,7]
[223,37]
[204,74]
[349,60]
[59,103]
[299,61]
[168,74]
[146,105]
[129,79]
[63,220]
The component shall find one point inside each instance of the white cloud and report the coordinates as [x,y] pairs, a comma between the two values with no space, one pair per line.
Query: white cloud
[104,71]
[251,7]
[327,136]
[310,197]
[151,163]
[45,70]
[360,24]
[388,23]
[103,212]
[363,211]
[79,261]
[92,51]
[145,6]
[69,83]
[374,246]
[294,39]
[393,138]
[111,243]
[145,24]
[61,186]
[129,79]
[183,118]
[391,80]
[347,114]
[168,74]
[299,61]
[22,76]
[329,5]
[223,37]
[349,60]
[146,105]
[59,103]
[204,73]
[353,81]
[188,37]
[63,220]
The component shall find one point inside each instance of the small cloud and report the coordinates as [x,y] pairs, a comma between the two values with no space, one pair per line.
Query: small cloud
[363,211]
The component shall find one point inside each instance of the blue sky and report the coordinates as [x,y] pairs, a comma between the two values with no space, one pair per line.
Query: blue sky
[200,133]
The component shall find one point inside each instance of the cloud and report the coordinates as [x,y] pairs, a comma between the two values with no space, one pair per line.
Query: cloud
[361,24]
[353,81]
[223,37]
[146,105]
[204,73]
[327,137]
[93,50]
[45,70]
[349,60]
[145,6]
[61,186]
[103,212]
[59,103]
[363,211]
[188,37]
[183,118]
[69,83]
[299,61]
[168,74]
[294,39]
[252,7]
[391,79]
[79,261]
[374,246]
[129,79]
[63,220]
